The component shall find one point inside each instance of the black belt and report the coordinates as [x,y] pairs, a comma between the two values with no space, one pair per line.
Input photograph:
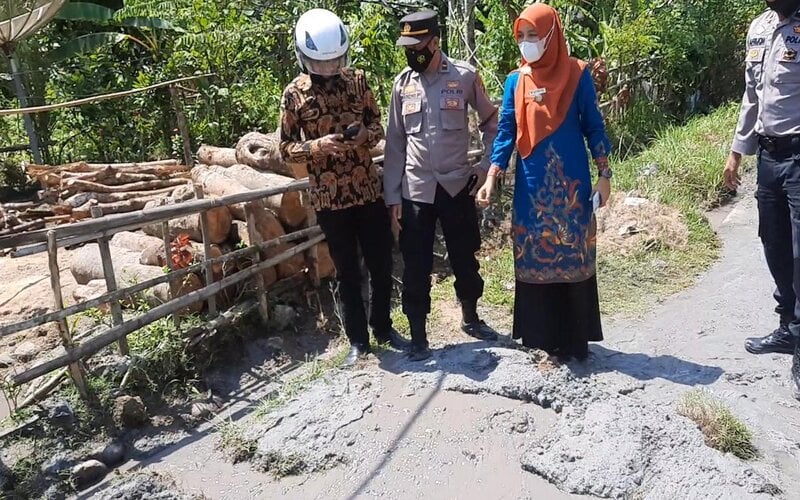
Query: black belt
[779,144]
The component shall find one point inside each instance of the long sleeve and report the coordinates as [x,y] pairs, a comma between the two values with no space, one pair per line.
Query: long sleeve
[488,116]
[372,116]
[507,127]
[745,141]
[394,156]
[292,146]
[593,126]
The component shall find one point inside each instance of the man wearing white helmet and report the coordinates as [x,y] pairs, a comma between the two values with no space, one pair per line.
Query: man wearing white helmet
[329,122]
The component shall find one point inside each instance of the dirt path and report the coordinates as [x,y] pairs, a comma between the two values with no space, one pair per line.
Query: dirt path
[492,421]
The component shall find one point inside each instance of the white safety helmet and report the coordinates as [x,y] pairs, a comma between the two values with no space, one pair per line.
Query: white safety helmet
[321,43]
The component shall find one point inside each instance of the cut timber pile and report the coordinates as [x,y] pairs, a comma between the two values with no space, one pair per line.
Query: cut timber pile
[70,191]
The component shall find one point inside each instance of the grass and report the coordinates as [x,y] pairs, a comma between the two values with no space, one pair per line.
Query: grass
[722,430]
[310,372]
[233,443]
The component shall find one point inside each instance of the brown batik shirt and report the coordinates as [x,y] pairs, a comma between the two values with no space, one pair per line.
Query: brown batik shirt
[311,110]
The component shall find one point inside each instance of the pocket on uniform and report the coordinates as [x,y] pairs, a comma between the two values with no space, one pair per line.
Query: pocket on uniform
[787,70]
[413,122]
[451,111]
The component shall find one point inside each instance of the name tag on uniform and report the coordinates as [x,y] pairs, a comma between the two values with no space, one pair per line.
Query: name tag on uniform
[412,106]
[410,89]
[790,55]
[755,54]
[451,103]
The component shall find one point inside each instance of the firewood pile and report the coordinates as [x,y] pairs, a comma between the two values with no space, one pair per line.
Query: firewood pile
[254,164]
[68,192]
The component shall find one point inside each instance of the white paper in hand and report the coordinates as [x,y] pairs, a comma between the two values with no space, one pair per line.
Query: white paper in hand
[595,201]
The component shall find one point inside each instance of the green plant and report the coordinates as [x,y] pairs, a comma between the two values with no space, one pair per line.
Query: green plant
[233,443]
[722,430]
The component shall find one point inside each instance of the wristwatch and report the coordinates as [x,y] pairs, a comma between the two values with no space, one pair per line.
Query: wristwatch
[606,173]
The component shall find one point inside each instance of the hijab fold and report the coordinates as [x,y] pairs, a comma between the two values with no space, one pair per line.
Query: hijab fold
[556,72]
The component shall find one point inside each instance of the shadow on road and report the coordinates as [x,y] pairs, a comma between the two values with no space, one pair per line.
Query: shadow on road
[645,367]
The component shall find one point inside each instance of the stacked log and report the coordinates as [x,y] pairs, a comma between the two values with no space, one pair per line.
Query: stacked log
[70,191]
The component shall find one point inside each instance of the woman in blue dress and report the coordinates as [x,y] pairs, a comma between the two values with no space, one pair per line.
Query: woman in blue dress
[550,114]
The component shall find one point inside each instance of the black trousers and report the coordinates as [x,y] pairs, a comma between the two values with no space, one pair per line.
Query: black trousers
[459,219]
[366,228]
[778,197]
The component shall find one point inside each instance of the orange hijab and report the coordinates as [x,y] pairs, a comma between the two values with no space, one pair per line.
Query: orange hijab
[556,73]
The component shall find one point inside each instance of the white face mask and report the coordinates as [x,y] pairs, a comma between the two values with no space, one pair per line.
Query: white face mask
[533,51]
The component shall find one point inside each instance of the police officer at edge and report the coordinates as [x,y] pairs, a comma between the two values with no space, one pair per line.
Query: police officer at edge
[427,175]
[769,126]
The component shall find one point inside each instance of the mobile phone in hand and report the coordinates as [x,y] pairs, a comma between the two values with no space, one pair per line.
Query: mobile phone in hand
[350,133]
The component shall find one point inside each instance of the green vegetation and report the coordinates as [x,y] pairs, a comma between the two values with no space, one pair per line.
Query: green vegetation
[668,61]
[722,430]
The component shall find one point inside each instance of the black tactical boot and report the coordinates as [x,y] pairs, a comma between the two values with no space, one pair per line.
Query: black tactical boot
[356,351]
[780,341]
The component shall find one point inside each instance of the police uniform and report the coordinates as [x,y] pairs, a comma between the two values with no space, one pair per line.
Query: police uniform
[426,168]
[769,126]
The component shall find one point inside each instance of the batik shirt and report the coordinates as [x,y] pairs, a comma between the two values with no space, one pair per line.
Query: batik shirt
[312,109]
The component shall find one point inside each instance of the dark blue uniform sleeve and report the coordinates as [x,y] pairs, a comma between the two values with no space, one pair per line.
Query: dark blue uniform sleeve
[592,124]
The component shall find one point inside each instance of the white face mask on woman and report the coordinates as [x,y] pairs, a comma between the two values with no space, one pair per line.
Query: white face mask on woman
[533,51]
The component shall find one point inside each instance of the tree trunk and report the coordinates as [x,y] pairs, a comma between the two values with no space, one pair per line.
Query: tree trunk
[219,224]
[87,266]
[150,248]
[261,151]
[73,186]
[81,199]
[288,206]
[118,207]
[213,155]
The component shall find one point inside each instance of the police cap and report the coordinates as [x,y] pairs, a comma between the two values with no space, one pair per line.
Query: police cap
[416,27]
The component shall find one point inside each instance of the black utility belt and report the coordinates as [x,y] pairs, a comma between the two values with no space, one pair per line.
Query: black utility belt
[779,144]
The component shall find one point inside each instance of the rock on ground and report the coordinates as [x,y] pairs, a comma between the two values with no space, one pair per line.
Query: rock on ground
[87,473]
[130,412]
[144,486]
[304,435]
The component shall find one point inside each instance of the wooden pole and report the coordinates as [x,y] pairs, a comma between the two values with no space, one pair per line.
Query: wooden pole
[182,127]
[96,343]
[97,98]
[312,261]
[255,239]
[176,319]
[75,369]
[209,271]
[111,280]
[9,329]
[122,222]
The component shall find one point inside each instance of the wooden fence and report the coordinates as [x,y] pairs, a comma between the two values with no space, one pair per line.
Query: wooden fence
[100,229]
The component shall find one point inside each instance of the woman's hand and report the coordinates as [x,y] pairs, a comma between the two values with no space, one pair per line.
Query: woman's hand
[603,187]
[484,196]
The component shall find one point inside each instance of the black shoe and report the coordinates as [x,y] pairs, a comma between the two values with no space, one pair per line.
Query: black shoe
[392,338]
[780,341]
[356,351]
[480,330]
[796,373]
[419,352]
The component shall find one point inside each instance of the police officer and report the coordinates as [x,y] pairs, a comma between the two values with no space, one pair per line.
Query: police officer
[769,126]
[428,177]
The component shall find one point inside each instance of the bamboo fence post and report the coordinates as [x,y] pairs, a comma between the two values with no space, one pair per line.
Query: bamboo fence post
[311,255]
[209,271]
[176,319]
[111,280]
[75,369]
[184,130]
[255,239]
